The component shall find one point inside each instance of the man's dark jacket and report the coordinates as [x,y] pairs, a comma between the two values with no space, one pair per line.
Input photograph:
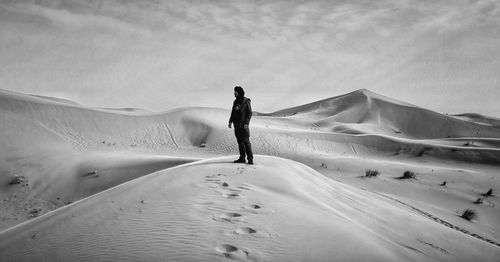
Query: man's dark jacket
[241,113]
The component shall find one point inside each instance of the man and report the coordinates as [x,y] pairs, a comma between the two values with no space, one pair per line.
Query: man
[240,117]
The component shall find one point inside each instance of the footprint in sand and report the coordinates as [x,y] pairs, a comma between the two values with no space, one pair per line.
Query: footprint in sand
[245,230]
[254,206]
[257,209]
[231,195]
[231,251]
[230,192]
[231,217]
[248,231]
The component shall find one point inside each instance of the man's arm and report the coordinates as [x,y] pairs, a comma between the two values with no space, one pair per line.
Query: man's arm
[248,115]
[231,118]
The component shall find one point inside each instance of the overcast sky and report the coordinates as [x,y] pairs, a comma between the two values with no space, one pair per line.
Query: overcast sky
[159,55]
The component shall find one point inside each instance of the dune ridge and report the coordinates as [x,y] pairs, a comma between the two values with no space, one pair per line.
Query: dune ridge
[410,130]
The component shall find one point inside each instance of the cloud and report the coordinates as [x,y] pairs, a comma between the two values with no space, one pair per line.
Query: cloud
[158,54]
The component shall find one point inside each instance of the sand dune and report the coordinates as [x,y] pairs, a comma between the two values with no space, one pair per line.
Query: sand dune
[128,110]
[278,210]
[376,114]
[74,162]
[480,119]
[410,129]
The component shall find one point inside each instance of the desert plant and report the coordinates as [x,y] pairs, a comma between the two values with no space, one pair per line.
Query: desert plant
[16,179]
[489,193]
[35,212]
[478,201]
[372,173]
[408,174]
[93,173]
[469,214]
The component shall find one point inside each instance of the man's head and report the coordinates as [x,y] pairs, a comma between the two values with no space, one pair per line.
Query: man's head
[238,91]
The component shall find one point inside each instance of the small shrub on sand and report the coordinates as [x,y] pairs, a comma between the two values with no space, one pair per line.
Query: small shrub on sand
[408,175]
[93,173]
[489,193]
[35,212]
[478,201]
[16,179]
[371,173]
[469,214]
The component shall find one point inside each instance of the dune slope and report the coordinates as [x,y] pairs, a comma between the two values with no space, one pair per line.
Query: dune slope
[213,210]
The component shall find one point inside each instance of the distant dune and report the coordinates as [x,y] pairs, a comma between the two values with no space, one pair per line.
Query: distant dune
[129,110]
[55,99]
[104,184]
[480,119]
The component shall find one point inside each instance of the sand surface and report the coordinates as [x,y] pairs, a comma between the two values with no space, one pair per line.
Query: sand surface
[89,184]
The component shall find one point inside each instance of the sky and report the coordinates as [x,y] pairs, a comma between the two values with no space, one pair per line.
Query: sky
[443,55]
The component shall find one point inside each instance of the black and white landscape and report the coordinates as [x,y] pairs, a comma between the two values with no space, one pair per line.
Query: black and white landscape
[375,131]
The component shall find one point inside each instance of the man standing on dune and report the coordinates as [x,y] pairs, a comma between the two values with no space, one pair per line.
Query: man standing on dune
[240,117]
